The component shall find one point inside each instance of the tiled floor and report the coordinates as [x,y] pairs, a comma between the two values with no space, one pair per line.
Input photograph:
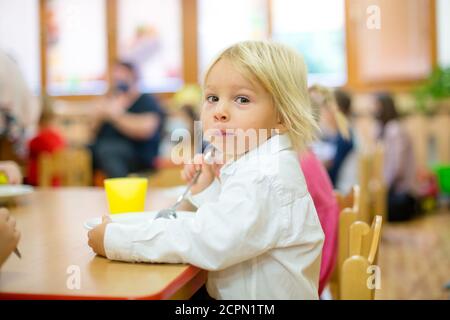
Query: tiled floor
[414,258]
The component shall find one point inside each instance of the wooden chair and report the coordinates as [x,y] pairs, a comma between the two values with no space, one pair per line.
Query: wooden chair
[363,250]
[349,211]
[377,185]
[348,216]
[344,201]
[67,167]
[364,177]
[350,200]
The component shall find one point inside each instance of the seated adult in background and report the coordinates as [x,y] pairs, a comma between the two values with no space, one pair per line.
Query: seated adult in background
[346,147]
[48,140]
[399,162]
[129,126]
[336,143]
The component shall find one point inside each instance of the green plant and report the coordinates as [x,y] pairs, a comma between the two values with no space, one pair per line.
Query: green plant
[436,88]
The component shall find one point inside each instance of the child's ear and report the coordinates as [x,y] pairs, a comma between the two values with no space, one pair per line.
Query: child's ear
[281,128]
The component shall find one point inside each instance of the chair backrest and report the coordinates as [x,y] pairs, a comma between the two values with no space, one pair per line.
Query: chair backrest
[348,208]
[350,200]
[377,184]
[363,251]
[349,214]
[70,167]
[347,217]
[364,177]
[81,168]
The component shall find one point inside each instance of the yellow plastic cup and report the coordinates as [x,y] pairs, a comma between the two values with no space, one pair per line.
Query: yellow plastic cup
[126,194]
[3,178]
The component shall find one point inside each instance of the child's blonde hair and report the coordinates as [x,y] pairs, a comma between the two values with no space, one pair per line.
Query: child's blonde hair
[282,72]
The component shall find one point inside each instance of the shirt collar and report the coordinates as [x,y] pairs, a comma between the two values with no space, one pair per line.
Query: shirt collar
[273,145]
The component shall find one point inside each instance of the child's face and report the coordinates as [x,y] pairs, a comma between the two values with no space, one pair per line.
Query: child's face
[233,102]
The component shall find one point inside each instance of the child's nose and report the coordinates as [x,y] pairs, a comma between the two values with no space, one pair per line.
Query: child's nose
[220,114]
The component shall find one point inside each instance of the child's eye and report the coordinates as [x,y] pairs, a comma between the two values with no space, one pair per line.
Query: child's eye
[212,99]
[242,100]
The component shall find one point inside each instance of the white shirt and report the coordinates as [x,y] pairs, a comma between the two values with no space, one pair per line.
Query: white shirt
[256,230]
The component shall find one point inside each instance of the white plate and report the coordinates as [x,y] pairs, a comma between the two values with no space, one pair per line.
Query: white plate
[133,218]
[10,191]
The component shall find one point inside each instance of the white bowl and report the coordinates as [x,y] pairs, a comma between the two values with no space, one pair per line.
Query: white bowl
[9,191]
[133,218]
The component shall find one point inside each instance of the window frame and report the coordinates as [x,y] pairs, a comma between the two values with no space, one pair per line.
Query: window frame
[189,23]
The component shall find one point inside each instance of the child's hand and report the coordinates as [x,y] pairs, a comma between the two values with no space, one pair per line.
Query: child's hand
[209,172]
[12,172]
[97,236]
[9,236]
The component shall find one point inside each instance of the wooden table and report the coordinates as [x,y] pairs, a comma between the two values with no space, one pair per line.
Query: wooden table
[54,251]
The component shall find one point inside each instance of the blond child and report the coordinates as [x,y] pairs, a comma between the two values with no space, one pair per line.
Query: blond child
[256,229]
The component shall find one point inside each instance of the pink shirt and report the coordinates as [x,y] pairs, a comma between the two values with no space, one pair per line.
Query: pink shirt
[321,190]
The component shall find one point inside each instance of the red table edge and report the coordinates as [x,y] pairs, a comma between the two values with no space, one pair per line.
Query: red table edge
[189,274]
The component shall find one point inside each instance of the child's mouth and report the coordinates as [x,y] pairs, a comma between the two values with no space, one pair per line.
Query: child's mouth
[224,132]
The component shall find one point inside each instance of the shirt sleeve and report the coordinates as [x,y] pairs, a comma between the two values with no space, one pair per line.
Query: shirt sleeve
[211,193]
[235,228]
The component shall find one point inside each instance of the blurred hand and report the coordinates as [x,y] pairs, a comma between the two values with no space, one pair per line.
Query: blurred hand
[9,236]
[116,106]
[99,110]
[12,172]
[111,107]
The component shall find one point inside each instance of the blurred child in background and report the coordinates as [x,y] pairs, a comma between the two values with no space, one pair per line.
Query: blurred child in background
[48,140]
[399,162]
[336,147]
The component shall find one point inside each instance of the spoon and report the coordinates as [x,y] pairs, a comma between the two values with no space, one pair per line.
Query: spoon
[170,213]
